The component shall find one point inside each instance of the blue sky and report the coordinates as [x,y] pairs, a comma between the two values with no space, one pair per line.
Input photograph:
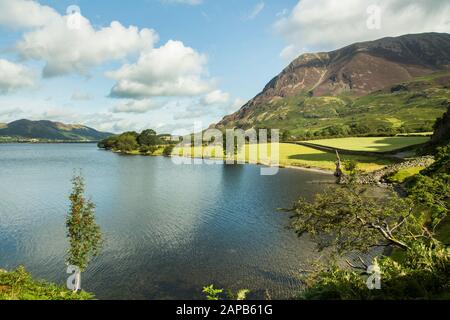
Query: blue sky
[166,64]
[243,53]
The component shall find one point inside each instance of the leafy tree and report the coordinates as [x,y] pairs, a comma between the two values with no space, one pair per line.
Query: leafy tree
[84,234]
[126,142]
[148,138]
[109,143]
[349,219]
[167,152]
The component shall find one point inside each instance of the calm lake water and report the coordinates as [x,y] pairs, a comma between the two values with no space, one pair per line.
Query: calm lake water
[169,229]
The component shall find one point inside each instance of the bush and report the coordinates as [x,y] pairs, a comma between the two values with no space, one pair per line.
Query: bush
[167,152]
[19,285]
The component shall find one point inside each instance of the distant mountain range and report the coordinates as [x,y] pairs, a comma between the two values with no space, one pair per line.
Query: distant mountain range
[48,130]
[400,82]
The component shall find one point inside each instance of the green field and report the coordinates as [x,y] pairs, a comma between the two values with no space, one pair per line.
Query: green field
[373,144]
[290,155]
[401,175]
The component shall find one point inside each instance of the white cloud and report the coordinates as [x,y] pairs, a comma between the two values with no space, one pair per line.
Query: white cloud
[25,14]
[136,106]
[316,25]
[170,70]
[256,11]
[10,113]
[14,76]
[215,97]
[70,47]
[81,96]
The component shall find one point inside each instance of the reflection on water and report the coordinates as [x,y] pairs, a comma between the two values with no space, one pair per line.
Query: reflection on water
[169,229]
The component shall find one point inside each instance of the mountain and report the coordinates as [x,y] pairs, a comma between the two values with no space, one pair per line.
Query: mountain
[48,130]
[321,86]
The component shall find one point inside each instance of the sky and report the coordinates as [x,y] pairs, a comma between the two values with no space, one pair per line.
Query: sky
[167,64]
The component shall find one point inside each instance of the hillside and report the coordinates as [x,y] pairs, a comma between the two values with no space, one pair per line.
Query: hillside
[48,130]
[392,84]
[441,134]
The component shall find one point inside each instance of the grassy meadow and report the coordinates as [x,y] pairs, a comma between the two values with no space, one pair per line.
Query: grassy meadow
[290,155]
[371,144]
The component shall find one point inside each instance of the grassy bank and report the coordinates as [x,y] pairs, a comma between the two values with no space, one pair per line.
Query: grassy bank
[290,155]
[293,155]
[19,285]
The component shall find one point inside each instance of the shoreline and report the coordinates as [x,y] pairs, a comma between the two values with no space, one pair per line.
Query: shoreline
[309,169]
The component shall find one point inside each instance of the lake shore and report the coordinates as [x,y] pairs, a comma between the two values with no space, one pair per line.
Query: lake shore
[305,168]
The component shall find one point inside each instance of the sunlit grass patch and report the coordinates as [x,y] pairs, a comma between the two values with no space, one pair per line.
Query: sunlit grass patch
[374,144]
[288,155]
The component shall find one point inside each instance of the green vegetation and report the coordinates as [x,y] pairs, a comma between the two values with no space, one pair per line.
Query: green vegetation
[84,234]
[350,218]
[214,294]
[403,174]
[145,143]
[389,112]
[19,285]
[291,155]
[371,144]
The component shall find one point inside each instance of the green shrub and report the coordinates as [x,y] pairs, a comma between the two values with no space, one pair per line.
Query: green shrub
[19,285]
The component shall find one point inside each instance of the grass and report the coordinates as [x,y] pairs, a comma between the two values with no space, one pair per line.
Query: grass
[373,144]
[289,155]
[401,175]
[19,285]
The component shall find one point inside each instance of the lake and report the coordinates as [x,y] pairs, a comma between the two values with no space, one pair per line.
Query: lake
[169,229]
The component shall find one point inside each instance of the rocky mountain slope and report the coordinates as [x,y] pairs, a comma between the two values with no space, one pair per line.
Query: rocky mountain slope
[346,74]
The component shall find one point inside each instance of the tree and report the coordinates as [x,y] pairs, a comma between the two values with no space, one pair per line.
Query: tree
[84,234]
[148,138]
[167,152]
[349,218]
[126,142]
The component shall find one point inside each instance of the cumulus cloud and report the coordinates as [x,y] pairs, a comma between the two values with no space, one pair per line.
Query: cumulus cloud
[215,97]
[70,44]
[170,70]
[136,106]
[316,25]
[25,14]
[14,76]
